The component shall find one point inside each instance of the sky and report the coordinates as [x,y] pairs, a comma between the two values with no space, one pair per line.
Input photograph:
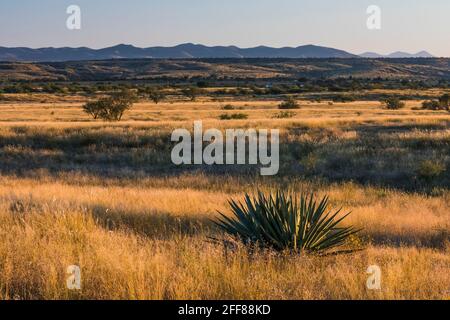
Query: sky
[406,25]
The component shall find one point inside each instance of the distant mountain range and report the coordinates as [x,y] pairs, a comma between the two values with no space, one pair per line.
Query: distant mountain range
[398,54]
[183,51]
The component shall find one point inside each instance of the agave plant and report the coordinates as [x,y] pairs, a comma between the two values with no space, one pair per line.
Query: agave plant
[286,222]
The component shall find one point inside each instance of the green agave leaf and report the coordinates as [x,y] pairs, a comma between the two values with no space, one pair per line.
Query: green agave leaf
[285,222]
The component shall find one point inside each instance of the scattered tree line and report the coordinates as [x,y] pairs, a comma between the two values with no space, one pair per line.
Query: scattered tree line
[191,88]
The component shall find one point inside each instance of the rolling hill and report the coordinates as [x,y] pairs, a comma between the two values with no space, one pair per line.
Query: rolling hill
[149,69]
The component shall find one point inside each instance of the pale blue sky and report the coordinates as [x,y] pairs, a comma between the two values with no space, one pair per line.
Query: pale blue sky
[407,25]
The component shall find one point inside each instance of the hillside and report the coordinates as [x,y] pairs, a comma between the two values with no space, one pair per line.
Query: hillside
[138,69]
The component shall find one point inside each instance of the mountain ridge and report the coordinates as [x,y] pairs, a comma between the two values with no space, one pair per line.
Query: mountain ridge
[397,55]
[185,51]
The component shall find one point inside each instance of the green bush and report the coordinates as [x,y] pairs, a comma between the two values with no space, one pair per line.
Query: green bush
[430,170]
[287,223]
[235,116]
[156,95]
[444,101]
[393,103]
[284,115]
[202,84]
[343,98]
[228,107]
[431,105]
[191,92]
[289,103]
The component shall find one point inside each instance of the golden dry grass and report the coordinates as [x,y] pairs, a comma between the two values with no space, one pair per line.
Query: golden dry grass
[145,236]
[169,112]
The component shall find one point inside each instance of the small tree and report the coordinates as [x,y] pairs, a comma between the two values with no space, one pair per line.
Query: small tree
[156,96]
[94,108]
[191,93]
[289,103]
[444,101]
[431,105]
[111,108]
[393,103]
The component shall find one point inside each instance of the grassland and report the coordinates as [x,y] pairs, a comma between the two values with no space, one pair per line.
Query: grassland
[106,197]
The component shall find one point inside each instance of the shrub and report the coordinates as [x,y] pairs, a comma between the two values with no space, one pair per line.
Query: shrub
[289,103]
[94,108]
[19,88]
[228,107]
[284,115]
[244,91]
[343,98]
[111,108]
[285,222]
[431,105]
[191,93]
[52,88]
[235,116]
[156,95]
[429,170]
[202,84]
[393,103]
[310,162]
[444,101]
[257,91]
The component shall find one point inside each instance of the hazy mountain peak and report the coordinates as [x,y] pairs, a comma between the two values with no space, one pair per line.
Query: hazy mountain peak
[397,54]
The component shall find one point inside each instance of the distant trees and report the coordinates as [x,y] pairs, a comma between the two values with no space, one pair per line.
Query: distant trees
[18,88]
[393,103]
[53,88]
[444,101]
[111,108]
[289,103]
[156,95]
[202,84]
[431,105]
[343,98]
[191,93]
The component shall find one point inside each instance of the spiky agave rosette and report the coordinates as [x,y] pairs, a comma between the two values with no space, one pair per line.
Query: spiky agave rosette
[285,222]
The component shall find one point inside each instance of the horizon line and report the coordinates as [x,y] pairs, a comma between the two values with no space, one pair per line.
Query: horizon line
[382,55]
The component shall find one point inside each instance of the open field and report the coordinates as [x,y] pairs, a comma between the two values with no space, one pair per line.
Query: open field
[106,197]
